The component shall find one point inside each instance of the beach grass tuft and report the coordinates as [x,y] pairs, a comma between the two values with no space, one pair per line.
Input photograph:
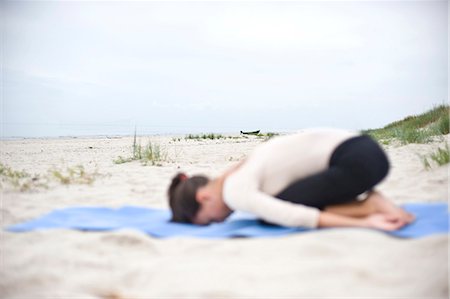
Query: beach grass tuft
[443,126]
[213,136]
[18,179]
[24,181]
[210,136]
[73,175]
[420,128]
[439,157]
[150,154]
[8,172]
[267,136]
[153,154]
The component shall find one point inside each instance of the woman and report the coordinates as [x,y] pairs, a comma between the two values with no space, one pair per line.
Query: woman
[318,178]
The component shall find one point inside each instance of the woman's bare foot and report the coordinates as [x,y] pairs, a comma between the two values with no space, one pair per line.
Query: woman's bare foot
[385,206]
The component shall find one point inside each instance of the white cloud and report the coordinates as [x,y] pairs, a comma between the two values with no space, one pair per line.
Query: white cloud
[275,27]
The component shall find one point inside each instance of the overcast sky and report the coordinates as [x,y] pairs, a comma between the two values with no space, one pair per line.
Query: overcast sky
[82,68]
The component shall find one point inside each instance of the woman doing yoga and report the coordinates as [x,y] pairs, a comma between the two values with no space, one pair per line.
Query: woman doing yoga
[318,178]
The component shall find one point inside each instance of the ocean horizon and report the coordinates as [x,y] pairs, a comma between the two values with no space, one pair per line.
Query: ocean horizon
[82,132]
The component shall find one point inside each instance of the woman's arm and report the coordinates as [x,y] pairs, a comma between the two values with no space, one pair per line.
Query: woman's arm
[243,194]
[378,221]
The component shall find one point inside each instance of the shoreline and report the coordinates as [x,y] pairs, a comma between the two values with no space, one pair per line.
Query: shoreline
[125,136]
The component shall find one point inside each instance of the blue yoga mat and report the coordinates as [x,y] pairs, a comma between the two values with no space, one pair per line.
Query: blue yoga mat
[432,218]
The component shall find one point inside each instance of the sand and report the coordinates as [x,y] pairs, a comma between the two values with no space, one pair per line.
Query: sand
[341,263]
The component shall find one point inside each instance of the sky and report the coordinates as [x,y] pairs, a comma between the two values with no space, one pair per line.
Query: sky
[103,68]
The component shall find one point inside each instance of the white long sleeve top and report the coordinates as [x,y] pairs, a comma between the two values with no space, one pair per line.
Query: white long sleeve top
[273,166]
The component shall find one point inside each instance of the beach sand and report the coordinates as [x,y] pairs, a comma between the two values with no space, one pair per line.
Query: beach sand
[339,263]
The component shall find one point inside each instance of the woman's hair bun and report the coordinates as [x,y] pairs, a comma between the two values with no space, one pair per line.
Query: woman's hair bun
[176,180]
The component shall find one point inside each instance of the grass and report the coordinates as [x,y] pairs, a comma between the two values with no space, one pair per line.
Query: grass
[443,125]
[440,157]
[73,175]
[151,154]
[24,181]
[267,136]
[20,180]
[420,128]
[121,160]
[8,172]
[210,136]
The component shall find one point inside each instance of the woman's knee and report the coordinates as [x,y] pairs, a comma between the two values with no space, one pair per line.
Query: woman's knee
[366,172]
[380,166]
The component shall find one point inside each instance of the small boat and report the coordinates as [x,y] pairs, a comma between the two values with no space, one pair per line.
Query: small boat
[251,133]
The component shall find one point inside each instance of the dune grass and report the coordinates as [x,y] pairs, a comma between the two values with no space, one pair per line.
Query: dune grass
[8,172]
[153,154]
[18,179]
[24,181]
[150,154]
[267,136]
[420,128]
[73,175]
[439,157]
[210,136]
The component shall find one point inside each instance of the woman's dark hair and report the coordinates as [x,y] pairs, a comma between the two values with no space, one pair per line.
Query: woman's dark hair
[182,200]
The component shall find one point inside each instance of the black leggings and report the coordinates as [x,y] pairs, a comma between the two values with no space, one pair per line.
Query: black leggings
[355,166]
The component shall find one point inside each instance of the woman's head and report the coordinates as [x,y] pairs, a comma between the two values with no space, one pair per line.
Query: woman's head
[182,197]
[197,200]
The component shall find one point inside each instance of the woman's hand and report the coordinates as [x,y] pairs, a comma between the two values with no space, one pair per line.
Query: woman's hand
[384,222]
[377,220]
